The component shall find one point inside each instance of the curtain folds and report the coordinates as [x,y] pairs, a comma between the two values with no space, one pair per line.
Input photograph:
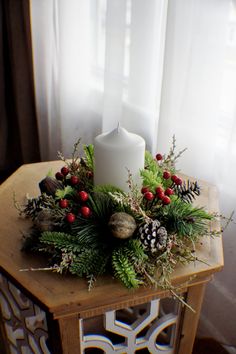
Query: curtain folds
[18,124]
[96,68]
[198,106]
[159,68]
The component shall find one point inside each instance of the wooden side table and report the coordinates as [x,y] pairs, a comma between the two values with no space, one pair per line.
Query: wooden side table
[44,312]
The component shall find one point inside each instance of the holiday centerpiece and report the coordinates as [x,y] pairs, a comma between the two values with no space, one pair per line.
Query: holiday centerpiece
[137,235]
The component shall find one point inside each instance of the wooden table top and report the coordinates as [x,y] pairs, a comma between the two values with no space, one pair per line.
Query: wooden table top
[65,295]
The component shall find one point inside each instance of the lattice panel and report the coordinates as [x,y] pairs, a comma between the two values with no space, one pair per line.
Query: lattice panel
[24,322]
[146,327]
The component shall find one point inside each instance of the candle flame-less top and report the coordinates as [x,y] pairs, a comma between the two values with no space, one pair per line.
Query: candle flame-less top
[115,153]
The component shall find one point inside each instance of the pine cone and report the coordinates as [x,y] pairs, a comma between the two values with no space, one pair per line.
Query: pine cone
[153,236]
[187,191]
[45,220]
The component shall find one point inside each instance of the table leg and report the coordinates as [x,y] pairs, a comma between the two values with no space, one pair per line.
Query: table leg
[70,334]
[190,322]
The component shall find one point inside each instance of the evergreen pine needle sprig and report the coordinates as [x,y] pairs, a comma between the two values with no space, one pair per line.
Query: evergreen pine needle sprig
[138,237]
[185,219]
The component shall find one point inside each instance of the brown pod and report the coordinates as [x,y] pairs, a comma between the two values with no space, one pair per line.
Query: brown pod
[122,225]
[49,185]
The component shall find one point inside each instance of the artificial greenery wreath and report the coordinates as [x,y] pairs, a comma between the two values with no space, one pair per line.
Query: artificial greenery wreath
[138,237]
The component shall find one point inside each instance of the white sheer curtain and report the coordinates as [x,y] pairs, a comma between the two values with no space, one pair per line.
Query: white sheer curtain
[94,67]
[160,68]
[199,106]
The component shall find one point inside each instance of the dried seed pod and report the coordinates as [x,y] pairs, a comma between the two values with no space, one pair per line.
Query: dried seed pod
[122,225]
[49,185]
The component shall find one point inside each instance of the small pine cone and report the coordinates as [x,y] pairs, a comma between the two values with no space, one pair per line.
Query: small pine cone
[45,220]
[153,236]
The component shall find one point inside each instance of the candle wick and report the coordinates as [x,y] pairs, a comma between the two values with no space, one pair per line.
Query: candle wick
[118,127]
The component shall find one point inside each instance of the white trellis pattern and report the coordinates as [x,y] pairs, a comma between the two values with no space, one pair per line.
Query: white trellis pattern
[24,322]
[143,333]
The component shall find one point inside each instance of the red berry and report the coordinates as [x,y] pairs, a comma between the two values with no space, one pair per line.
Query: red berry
[166,174]
[85,211]
[59,176]
[159,190]
[144,190]
[149,196]
[166,200]
[65,170]
[89,174]
[70,217]
[159,157]
[169,191]
[74,180]
[83,196]
[174,178]
[63,203]
[178,181]
[161,195]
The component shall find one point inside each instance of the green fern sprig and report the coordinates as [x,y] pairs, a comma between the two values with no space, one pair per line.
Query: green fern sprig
[151,179]
[131,265]
[124,269]
[139,259]
[152,173]
[61,241]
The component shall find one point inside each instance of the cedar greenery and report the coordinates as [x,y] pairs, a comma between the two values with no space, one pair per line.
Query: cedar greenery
[86,247]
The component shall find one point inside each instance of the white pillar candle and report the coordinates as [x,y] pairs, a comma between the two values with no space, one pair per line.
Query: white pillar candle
[114,154]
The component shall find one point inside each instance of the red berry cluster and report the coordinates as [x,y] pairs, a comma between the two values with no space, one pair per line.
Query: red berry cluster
[73,180]
[166,174]
[84,210]
[161,194]
[63,173]
[80,196]
[175,179]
